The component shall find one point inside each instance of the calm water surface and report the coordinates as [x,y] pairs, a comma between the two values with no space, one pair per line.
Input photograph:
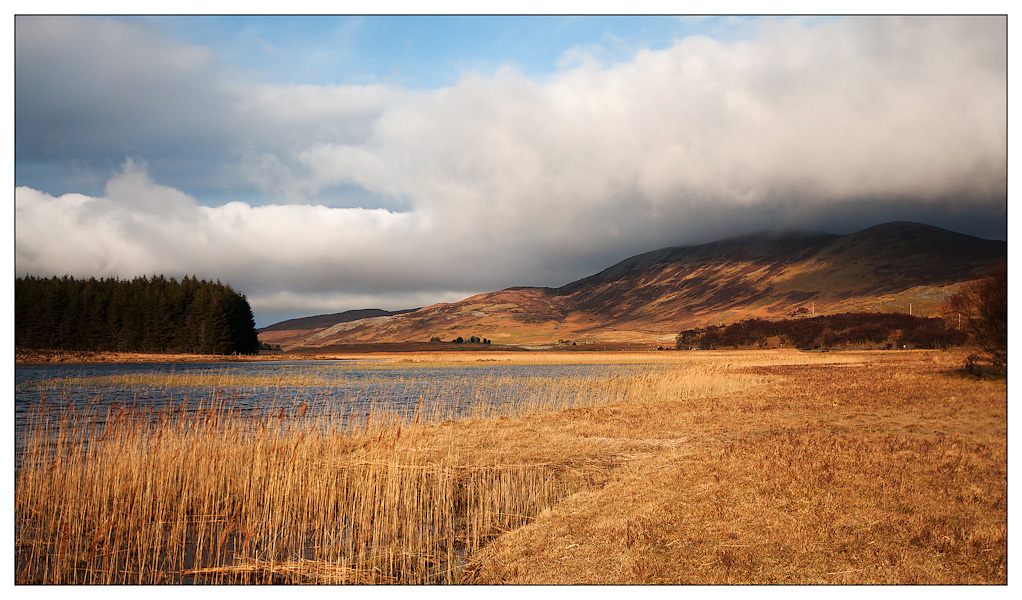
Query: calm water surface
[345,387]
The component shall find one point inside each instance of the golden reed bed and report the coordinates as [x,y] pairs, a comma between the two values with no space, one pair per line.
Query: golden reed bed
[706,467]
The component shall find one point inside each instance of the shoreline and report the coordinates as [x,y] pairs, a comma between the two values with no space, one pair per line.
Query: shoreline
[336,352]
[87,357]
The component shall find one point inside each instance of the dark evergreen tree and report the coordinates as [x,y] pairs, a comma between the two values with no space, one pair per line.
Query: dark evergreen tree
[151,315]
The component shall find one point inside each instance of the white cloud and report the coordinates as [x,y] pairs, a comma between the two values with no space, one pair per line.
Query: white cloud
[272,252]
[135,191]
[502,179]
[846,110]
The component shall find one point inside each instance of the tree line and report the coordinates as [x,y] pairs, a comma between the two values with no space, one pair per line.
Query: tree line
[141,315]
[888,330]
[977,313]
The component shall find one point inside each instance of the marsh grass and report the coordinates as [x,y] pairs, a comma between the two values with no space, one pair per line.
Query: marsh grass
[214,493]
[192,378]
[218,496]
[736,467]
[864,468]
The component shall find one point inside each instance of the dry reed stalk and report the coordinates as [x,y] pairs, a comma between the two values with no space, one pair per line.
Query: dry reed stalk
[146,496]
[739,467]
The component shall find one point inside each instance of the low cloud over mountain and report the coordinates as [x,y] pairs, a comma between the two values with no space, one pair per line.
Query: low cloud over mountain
[137,152]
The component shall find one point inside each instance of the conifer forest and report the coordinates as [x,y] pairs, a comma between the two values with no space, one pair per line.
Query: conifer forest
[144,314]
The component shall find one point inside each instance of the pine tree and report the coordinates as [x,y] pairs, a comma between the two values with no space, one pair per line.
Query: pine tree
[143,314]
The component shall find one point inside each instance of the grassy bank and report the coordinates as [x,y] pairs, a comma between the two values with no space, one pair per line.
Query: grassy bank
[734,467]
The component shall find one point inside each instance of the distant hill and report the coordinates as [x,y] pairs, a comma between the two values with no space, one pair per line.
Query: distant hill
[324,321]
[648,298]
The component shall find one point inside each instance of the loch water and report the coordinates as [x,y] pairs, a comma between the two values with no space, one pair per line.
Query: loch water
[337,387]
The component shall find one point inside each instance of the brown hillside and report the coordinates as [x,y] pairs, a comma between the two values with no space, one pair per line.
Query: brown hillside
[650,297]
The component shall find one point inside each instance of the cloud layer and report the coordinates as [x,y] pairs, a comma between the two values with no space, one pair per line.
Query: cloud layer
[360,196]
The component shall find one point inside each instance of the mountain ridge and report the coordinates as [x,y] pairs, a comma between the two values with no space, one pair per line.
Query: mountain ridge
[895,267]
[328,320]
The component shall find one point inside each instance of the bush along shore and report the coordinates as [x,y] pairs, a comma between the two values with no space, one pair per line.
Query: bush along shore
[858,330]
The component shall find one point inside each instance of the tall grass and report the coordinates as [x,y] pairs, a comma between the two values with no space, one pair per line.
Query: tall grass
[220,496]
[213,493]
[305,491]
[832,468]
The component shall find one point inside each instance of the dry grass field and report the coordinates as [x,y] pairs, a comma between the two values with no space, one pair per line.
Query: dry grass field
[764,467]
[886,469]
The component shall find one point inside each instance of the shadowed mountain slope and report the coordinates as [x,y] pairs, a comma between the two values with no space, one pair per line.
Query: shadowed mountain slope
[324,321]
[894,267]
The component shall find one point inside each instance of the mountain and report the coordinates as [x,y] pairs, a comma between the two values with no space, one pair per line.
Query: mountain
[323,321]
[894,267]
[283,331]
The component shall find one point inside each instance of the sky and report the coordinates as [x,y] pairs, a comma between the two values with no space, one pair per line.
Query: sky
[321,164]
